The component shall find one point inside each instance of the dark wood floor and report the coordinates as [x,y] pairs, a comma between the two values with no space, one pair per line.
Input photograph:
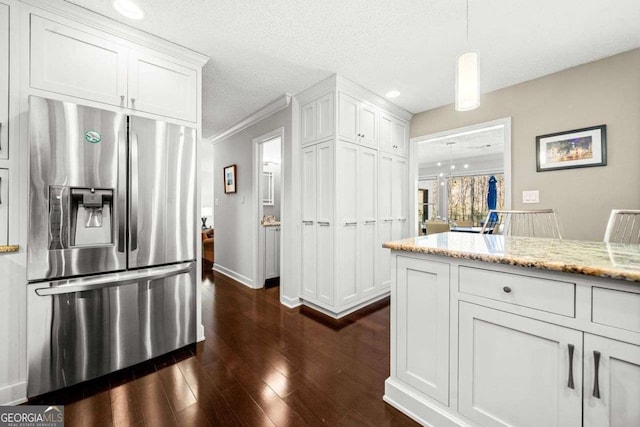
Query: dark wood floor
[260,365]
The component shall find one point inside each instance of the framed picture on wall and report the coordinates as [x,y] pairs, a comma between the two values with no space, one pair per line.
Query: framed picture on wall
[230,179]
[579,148]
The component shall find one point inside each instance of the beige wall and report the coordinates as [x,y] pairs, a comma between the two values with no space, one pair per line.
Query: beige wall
[601,92]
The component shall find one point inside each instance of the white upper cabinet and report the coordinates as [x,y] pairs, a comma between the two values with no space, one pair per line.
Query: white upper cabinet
[317,119]
[85,63]
[308,122]
[358,121]
[4,81]
[77,63]
[393,135]
[162,87]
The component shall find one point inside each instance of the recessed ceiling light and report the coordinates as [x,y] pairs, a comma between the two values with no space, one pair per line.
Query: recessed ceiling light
[128,9]
[439,163]
[392,94]
[466,166]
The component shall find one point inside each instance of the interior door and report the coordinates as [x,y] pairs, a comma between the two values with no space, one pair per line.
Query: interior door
[162,193]
[516,371]
[618,387]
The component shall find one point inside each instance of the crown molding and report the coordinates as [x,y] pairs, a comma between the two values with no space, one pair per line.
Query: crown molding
[270,109]
[110,26]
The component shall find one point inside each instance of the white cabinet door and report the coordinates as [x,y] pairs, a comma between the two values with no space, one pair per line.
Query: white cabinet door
[4,81]
[347,247]
[159,86]
[385,220]
[515,371]
[308,122]
[422,326]
[326,116]
[386,133]
[367,124]
[309,242]
[4,206]
[400,140]
[367,216]
[348,118]
[272,252]
[399,198]
[618,385]
[325,226]
[77,63]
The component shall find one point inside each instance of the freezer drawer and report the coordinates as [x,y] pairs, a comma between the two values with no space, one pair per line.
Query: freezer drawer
[84,328]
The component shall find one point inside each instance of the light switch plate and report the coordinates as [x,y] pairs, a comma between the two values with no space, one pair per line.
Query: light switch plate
[531,196]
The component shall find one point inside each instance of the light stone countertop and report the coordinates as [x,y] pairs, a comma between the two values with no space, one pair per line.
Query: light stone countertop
[5,249]
[612,260]
[271,224]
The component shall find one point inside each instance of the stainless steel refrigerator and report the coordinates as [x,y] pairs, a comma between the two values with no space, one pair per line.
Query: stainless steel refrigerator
[111,245]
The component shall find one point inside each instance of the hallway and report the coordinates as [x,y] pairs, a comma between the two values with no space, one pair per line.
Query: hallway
[261,364]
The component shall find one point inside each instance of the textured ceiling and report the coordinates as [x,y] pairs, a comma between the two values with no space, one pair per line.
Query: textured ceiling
[260,49]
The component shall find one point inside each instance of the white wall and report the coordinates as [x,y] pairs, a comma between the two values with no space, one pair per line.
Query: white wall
[234,216]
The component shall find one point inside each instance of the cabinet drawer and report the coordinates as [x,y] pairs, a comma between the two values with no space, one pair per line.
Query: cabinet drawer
[615,308]
[539,294]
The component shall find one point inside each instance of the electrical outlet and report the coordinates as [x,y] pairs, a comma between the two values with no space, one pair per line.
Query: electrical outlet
[531,196]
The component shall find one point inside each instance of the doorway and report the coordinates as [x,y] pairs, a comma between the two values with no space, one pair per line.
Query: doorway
[451,173]
[268,190]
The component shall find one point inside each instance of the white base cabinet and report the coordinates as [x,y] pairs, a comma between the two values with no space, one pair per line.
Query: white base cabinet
[271,252]
[515,371]
[4,207]
[342,119]
[545,353]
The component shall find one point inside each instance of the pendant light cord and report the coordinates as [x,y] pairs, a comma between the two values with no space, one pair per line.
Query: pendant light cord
[467,21]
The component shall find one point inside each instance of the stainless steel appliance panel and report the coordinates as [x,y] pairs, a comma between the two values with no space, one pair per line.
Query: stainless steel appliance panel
[162,193]
[80,329]
[75,150]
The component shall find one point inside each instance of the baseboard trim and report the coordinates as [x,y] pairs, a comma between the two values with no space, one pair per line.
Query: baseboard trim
[339,314]
[200,333]
[235,276]
[13,394]
[406,400]
[290,302]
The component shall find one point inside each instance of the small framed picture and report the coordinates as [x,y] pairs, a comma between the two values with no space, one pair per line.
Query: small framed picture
[230,179]
[579,148]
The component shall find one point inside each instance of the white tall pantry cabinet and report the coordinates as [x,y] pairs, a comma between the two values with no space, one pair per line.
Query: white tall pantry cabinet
[354,148]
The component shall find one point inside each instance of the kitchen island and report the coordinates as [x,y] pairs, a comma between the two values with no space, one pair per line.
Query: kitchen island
[496,330]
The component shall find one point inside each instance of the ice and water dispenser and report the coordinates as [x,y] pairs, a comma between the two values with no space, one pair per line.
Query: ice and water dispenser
[80,217]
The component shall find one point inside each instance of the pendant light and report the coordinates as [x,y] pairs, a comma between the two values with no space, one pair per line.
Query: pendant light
[468,77]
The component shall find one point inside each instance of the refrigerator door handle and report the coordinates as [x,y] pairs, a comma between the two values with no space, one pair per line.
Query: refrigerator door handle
[122,191]
[134,192]
[112,280]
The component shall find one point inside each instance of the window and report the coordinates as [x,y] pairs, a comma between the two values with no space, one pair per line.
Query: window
[468,197]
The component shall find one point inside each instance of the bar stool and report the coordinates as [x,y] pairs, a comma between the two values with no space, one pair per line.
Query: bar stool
[534,223]
[623,226]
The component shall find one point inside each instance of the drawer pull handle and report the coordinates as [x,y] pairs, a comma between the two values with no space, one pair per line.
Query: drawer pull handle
[507,289]
[570,383]
[596,381]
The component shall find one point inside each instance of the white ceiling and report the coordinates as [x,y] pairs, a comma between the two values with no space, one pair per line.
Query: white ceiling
[466,146]
[261,49]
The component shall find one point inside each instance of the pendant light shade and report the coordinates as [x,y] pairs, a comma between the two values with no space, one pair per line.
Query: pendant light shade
[467,81]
